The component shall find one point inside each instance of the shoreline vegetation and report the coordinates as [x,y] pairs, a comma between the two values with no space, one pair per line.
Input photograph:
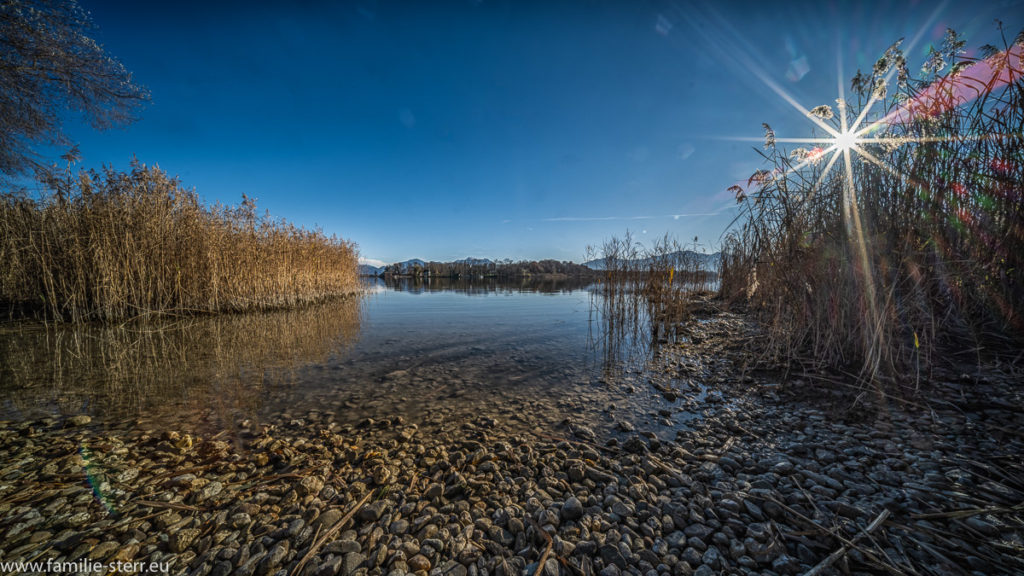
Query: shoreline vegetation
[866,283]
[114,246]
[904,250]
[664,258]
[483,268]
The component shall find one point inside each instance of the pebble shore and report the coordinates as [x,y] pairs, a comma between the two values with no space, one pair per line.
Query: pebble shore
[763,483]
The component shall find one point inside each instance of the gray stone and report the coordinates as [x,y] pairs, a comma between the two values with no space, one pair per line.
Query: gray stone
[344,546]
[704,570]
[782,468]
[327,520]
[634,444]
[180,541]
[611,555]
[754,510]
[371,512]
[712,557]
[351,562]
[331,567]
[572,509]
[699,531]
[210,490]
[273,559]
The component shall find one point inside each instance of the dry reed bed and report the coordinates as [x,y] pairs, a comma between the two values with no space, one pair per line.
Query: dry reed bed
[113,245]
[924,254]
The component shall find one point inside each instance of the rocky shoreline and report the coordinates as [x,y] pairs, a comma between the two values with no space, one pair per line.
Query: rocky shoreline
[763,483]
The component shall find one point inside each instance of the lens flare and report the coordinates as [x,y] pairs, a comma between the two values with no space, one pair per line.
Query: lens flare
[94,475]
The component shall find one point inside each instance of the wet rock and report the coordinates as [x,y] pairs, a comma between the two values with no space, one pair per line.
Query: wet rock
[712,557]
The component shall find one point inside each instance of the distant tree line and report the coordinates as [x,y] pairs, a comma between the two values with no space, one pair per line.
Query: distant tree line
[491,269]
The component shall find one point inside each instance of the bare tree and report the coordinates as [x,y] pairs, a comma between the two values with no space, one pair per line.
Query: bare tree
[49,66]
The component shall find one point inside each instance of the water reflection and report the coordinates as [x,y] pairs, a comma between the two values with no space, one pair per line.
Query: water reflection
[527,353]
[629,321]
[223,362]
[620,334]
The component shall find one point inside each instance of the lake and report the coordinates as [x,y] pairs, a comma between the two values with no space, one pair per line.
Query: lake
[529,355]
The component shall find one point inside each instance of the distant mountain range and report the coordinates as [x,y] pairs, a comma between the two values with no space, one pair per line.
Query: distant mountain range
[683,258]
[680,259]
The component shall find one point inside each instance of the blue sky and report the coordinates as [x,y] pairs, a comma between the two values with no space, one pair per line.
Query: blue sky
[440,130]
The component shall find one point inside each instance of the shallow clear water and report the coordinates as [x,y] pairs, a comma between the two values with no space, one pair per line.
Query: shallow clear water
[529,355]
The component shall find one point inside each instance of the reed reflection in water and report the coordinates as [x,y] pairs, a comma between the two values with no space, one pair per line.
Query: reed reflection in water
[223,362]
[631,316]
[621,333]
[643,296]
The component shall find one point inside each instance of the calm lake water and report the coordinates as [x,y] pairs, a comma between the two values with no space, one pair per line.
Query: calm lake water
[527,354]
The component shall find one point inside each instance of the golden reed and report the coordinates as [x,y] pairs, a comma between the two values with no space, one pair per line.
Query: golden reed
[113,245]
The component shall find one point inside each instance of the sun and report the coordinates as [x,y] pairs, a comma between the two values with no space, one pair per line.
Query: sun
[846,140]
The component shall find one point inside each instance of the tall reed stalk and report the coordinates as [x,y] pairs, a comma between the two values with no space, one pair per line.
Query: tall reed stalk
[112,245]
[643,293]
[923,253]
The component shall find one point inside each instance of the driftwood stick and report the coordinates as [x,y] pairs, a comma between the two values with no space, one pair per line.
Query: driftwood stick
[171,505]
[547,551]
[318,543]
[846,547]
[967,513]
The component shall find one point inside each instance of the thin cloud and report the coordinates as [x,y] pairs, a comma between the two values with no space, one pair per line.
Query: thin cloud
[619,218]
[595,218]
[691,215]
